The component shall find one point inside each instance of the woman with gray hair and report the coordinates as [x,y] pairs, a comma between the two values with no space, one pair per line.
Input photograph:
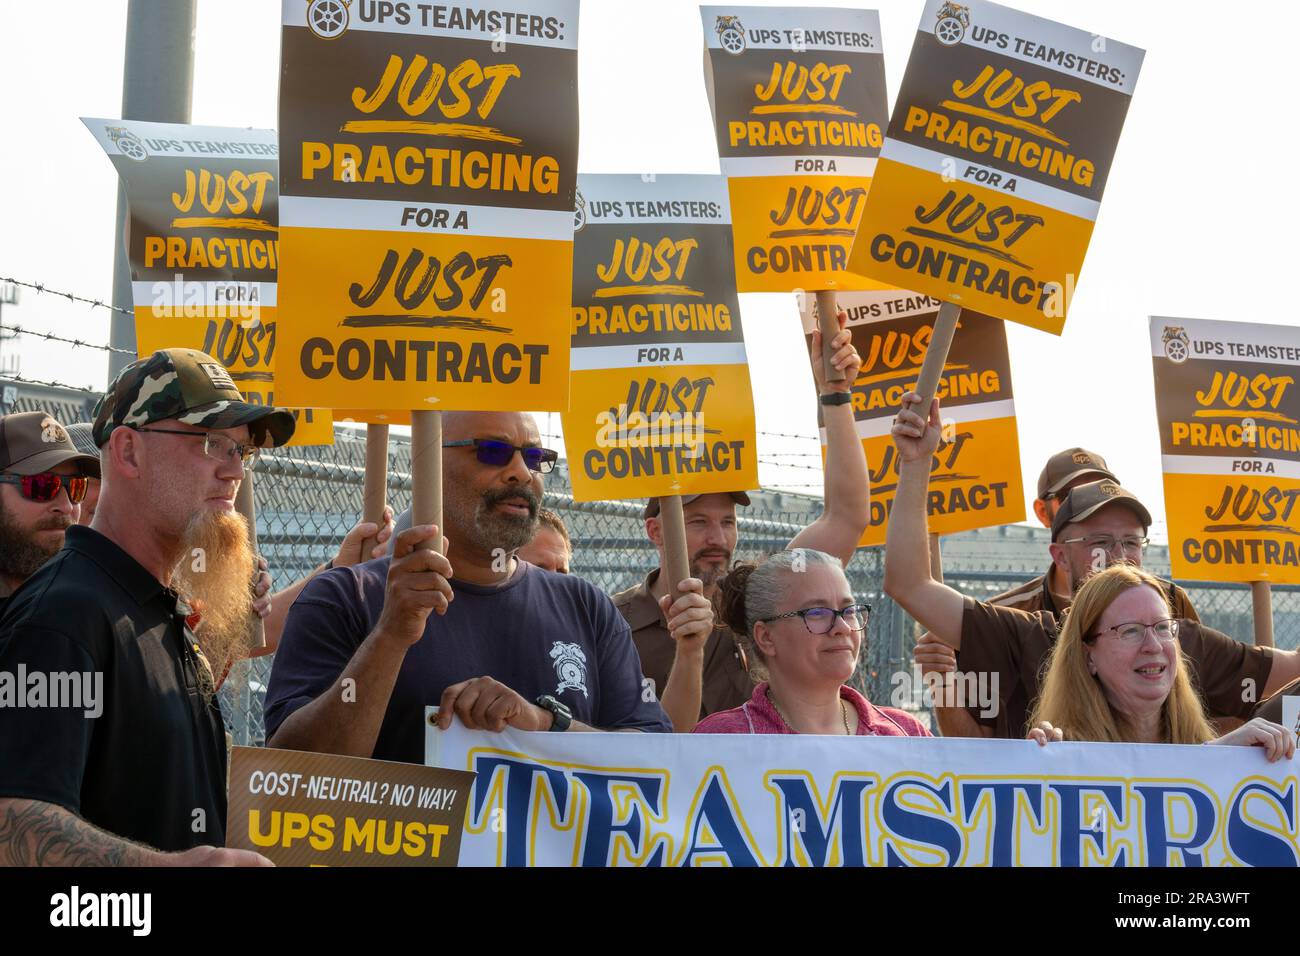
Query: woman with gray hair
[804,626]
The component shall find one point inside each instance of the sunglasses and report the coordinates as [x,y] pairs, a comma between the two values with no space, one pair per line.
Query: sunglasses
[498,454]
[46,485]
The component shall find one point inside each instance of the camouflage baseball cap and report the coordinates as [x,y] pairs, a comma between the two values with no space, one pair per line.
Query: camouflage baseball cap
[191,387]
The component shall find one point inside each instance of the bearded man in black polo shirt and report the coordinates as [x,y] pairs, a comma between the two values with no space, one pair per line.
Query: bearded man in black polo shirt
[138,764]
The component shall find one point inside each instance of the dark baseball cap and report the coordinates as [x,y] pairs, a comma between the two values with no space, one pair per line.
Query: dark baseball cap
[652,506]
[191,387]
[1065,466]
[79,432]
[1084,501]
[33,442]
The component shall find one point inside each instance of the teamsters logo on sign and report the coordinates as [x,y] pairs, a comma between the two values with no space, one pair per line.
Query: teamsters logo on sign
[328,18]
[953,20]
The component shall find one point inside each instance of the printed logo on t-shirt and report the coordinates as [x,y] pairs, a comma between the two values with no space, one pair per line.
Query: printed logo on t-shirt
[570,667]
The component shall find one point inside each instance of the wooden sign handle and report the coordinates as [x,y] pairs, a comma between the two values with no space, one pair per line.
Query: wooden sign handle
[375,490]
[426,473]
[245,505]
[677,561]
[1261,599]
[936,355]
[827,310]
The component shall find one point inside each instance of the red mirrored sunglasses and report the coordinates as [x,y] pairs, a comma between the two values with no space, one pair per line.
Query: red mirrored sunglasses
[46,485]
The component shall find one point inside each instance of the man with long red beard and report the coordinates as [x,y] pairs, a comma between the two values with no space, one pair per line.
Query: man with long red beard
[142,779]
[43,481]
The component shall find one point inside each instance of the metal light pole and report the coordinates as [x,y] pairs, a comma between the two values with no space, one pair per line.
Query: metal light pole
[157,84]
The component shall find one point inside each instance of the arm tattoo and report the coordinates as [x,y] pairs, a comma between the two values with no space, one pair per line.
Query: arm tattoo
[33,833]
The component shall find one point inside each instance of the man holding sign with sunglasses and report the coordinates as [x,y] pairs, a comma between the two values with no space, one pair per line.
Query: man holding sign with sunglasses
[140,767]
[44,480]
[506,644]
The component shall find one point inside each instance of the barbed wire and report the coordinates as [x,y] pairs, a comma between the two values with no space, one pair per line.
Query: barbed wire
[13,377]
[41,288]
[75,343]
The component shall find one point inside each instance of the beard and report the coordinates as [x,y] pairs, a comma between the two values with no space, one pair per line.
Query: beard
[709,574]
[215,577]
[490,529]
[21,551]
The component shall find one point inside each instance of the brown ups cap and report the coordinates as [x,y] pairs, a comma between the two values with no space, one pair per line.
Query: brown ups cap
[652,506]
[1065,466]
[33,442]
[1084,501]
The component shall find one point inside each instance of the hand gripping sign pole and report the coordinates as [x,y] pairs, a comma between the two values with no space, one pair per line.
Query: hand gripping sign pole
[246,506]
[374,497]
[426,474]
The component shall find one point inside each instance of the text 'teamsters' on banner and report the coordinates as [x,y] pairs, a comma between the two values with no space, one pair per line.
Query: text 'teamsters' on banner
[429,155]
[660,395]
[998,151]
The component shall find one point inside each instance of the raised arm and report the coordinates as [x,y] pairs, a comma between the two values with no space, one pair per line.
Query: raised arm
[845,485]
[907,547]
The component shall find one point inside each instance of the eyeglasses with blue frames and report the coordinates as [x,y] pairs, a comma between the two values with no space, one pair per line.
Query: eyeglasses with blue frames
[820,620]
[498,454]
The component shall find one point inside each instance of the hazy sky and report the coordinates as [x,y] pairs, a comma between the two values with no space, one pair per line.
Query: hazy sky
[1196,212]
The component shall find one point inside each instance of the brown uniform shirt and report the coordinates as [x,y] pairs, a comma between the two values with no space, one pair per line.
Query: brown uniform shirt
[726,681]
[1271,709]
[1015,644]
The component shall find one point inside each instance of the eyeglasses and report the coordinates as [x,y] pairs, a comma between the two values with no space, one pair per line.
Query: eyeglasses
[217,446]
[820,620]
[1135,632]
[489,451]
[1107,542]
[46,485]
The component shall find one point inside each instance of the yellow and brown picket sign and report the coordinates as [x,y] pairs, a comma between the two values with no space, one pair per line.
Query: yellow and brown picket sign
[429,159]
[998,151]
[661,401]
[799,109]
[975,477]
[1229,409]
[203,248]
[310,809]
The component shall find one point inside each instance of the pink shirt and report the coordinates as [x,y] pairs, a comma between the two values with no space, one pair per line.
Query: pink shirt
[758,716]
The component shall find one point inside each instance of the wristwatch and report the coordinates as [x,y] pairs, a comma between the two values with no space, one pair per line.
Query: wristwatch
[836,398]
[561,715]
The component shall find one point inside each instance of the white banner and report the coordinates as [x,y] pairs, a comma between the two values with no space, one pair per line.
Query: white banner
[707,800]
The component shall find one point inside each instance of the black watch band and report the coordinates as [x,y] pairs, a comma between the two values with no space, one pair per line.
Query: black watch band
[836,398]
[561,715]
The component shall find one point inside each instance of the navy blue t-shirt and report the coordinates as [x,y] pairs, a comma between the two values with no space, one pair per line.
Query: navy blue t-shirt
[539,633]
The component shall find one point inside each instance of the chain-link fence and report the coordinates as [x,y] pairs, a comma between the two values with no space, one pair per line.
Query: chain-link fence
[308,498]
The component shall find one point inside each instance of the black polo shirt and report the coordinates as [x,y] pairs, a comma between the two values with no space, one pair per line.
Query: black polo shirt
[151,766]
